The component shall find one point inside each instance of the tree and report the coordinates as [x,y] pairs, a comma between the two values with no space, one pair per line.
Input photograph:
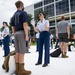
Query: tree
[30,25]
[1,29]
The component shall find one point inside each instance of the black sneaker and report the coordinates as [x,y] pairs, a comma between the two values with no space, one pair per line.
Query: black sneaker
[44,65]
[38,63]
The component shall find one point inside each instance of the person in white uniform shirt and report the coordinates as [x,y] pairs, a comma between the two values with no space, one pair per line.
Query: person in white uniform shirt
[51,40]
[37,41]
[1,39]
[43,28]
[6,39]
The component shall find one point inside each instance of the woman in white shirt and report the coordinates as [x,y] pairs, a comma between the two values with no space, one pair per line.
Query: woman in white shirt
[1,39]
[6,39]
[43,28]
[37,41]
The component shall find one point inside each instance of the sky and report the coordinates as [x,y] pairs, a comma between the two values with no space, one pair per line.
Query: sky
[7,8]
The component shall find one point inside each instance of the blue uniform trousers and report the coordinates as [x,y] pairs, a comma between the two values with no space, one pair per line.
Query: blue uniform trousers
[37,46]
[6,45]
[1,42]
[44,39]
[13,41]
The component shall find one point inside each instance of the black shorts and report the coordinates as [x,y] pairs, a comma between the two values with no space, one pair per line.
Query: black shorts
[63,37]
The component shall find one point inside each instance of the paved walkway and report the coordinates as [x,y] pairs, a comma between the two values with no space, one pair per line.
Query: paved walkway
[58,66]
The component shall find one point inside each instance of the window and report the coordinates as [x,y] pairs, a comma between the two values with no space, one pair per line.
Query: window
[52,23]
[62,7]
[72,5]
[48,1]
[56,0]
[52,30]
[50,10]
[72,19]
[38,5]
[73,29]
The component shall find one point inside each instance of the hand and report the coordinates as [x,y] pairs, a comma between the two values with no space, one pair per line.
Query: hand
[4,35]
[12,33]
[27,38]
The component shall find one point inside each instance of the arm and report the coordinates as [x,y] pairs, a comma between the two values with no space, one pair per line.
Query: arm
[57,33]
[25,25]
[35,29]
[12,25]
[5,34]
[47,28]
[13,29]
[47,25]
[68,31]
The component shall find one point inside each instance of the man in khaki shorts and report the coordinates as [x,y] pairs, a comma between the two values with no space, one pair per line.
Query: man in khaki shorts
[20,30]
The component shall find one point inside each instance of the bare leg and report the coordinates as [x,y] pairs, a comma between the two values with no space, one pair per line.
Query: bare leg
[65,51]
[17,58]
[65,47]
[61,46]
[21,58]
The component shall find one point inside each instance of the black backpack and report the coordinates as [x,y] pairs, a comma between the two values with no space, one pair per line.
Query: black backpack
[56,53]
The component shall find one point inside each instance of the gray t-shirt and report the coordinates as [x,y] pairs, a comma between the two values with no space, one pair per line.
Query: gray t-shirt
[62,26]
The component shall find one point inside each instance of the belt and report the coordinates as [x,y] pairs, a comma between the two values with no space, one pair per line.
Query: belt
[42,31]
[20,30]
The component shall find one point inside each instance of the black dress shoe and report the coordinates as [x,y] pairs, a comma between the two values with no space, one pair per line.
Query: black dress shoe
[44,65]
[38,64]
[29,52]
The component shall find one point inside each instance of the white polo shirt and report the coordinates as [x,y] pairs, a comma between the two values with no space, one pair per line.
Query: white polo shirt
[41,25]
[6,30]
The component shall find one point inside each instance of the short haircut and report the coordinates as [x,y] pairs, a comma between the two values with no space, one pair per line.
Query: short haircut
[62,18]
[19,4]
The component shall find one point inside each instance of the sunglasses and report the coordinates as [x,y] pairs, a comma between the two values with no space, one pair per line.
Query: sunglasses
[40,14]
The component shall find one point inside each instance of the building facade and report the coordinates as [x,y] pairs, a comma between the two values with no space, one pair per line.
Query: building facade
[56,8]
[30,10]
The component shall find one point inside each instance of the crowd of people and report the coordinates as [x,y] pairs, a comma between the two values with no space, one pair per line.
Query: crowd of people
[20,38]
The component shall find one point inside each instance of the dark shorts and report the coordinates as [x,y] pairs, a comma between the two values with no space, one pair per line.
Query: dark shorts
[63,37]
